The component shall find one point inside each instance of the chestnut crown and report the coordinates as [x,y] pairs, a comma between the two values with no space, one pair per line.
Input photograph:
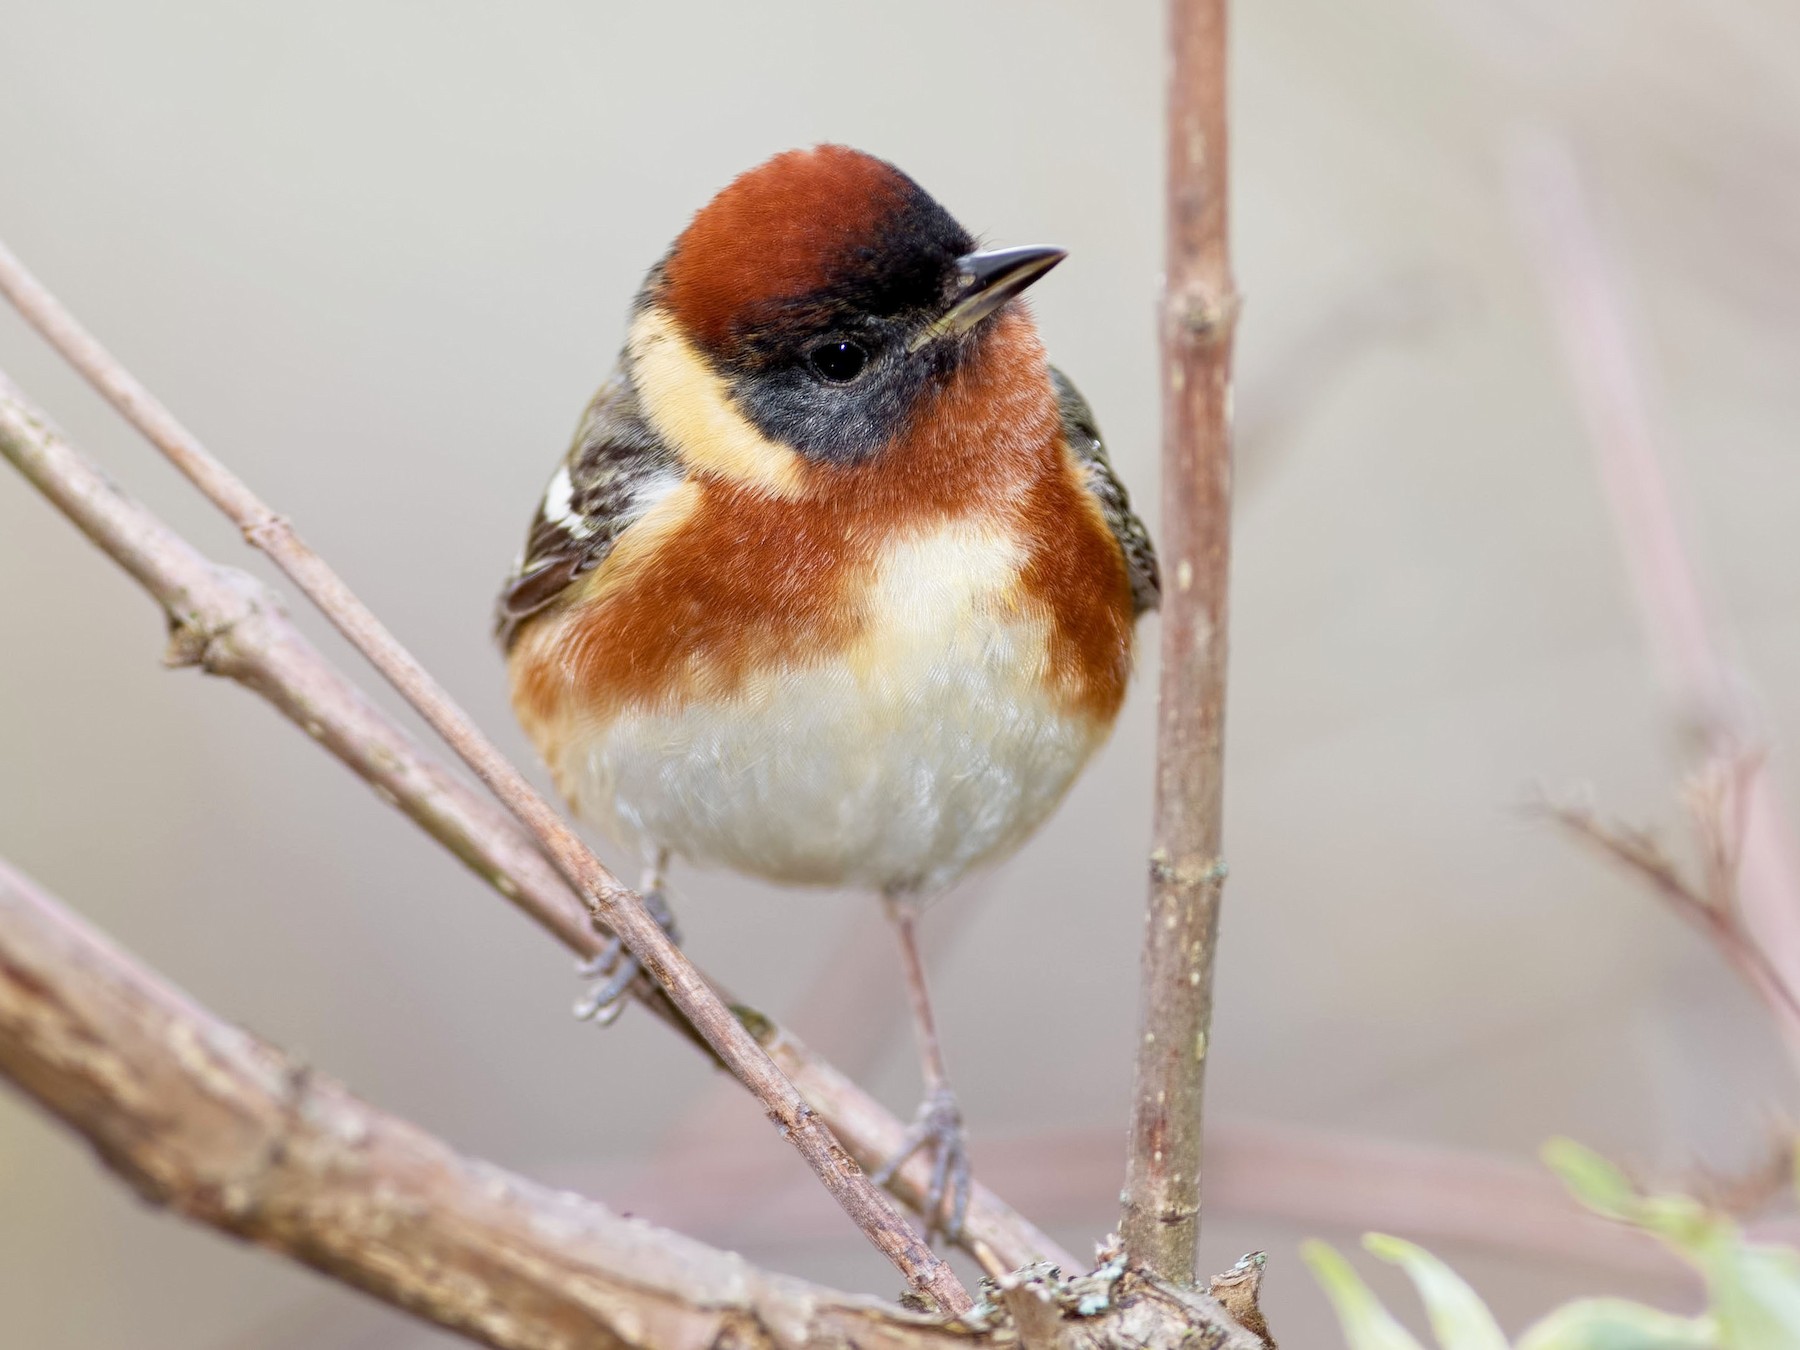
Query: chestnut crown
[830,291]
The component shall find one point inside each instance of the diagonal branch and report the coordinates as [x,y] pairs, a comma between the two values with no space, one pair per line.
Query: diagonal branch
[228,623]
[1161,1220]
[620,909]
[228,1131]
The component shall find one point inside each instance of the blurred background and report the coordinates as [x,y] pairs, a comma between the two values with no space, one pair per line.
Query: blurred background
[378,256]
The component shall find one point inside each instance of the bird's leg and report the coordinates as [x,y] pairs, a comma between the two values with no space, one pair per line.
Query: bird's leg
[612,972]
[938,1127]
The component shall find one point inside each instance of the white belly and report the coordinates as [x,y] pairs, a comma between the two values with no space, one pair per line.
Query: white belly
[931,747]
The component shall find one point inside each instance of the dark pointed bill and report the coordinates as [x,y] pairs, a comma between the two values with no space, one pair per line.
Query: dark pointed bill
[988,281]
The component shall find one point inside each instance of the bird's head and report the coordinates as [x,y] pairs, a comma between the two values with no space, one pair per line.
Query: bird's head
[807,309]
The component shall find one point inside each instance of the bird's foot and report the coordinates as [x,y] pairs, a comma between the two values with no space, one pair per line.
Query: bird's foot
[937,1130]
[614,970]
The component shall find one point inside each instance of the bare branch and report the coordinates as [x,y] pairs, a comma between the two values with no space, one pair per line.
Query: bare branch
[1715,799]
[231,625]
[620,909]
[1161,1219]
[228,1131]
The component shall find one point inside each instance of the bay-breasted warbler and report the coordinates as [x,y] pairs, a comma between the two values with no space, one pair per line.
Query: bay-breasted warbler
[836,585]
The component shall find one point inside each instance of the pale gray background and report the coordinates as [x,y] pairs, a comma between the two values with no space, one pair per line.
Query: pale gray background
[378,255]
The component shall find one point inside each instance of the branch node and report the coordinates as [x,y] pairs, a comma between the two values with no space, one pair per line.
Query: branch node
[755,1023]
[268,531]
[1204,314]
[1188,871]
[199,633]
[188,639]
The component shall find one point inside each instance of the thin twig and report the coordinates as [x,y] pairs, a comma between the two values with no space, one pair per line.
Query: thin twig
[1582,286]
[230,624]
[226,1130]
[1711,904]
[1746,1191]
[1160,1224]
[618,908]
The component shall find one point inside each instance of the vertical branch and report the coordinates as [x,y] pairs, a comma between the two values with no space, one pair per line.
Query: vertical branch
[1161,1220]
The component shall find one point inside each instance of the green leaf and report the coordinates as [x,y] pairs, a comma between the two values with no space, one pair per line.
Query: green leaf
[1753,1289]
[1367,1325]
[1685,1224]
[1594,1181]
[1755,1294]
[1458,1316]
[1615,1324]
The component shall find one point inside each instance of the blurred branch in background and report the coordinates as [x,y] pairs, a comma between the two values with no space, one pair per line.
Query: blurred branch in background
[230,625]
[1160,1219]
[1717,799]
[1308,1177]
[1581,284]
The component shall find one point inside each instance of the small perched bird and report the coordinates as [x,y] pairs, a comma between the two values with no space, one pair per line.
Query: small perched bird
[836,585]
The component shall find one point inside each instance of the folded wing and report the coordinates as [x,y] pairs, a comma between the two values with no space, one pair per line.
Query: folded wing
[616,470]
[1115,504]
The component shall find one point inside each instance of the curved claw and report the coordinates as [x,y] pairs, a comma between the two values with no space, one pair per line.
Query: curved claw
[939,1128]
[602,963]
[604,1002]
[614,970]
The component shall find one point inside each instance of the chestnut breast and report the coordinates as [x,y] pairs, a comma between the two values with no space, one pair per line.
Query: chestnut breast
[724,577]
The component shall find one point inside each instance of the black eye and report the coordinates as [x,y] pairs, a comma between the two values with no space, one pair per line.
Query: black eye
[838,362]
